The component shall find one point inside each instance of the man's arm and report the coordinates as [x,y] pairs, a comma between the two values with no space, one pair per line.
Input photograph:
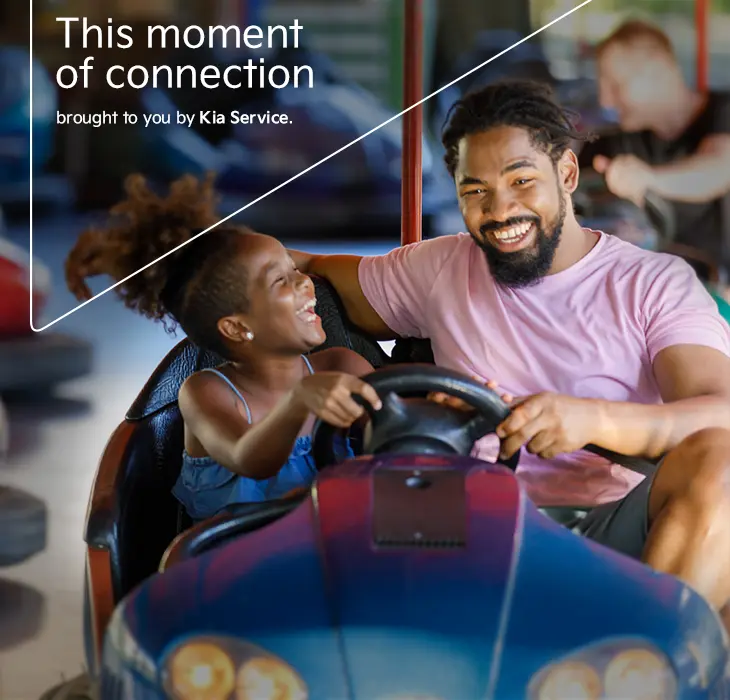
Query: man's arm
[701,177]
[694,382]
[341,271]
[689,349]
[389,295]
[688,346]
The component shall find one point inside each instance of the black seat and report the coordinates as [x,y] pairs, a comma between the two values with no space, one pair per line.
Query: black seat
[132,514]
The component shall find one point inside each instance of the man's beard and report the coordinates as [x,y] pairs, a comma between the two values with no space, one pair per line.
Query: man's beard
[523,268]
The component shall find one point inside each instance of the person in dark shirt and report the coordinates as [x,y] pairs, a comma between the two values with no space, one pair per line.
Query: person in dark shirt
[673,140]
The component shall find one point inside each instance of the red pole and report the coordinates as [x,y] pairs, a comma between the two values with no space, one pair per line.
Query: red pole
[412,167]
[701,26]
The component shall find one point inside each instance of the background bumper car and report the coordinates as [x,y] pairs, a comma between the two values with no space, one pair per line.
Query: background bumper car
[527,61]
[32,362]
[29,361]
[358,190]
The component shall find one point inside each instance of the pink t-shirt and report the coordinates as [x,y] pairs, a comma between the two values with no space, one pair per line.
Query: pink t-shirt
[590,331]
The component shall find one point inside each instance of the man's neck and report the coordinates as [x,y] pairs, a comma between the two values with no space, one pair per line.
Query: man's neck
[575,243]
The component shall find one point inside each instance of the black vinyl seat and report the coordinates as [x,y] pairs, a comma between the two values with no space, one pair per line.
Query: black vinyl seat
[138,517]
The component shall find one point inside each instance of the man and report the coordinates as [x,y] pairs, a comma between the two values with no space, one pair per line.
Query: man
[603,342]
[673,140]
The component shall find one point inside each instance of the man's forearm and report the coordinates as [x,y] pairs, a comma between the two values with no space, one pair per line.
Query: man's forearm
[650,431]
[326,266]
[341,271]
[699,178]
[302,260]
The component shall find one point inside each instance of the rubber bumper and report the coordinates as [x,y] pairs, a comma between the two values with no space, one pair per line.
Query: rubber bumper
[15,291]
[41,360]
[32,361]
[23,521]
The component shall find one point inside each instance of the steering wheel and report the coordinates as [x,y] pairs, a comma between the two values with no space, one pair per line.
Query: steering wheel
[423,427]
[417,425]
[662,216]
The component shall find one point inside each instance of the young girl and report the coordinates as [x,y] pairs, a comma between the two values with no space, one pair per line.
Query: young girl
[237,293]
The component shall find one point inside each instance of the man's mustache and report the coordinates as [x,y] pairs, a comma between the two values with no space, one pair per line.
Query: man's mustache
[491,226]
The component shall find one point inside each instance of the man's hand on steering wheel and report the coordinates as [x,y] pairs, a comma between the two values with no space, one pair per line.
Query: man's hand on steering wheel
[548,425]
[445,399]
[627,177]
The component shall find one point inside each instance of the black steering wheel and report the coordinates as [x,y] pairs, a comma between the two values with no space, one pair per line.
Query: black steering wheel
[662,217]
[417,425]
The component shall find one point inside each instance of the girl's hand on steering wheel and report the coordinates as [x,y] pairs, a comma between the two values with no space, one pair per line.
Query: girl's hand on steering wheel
[329,396]
[446,399]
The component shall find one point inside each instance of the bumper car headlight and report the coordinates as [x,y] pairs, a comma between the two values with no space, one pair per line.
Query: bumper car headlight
[611,671]
[222,668]
[570,679]
[126,647]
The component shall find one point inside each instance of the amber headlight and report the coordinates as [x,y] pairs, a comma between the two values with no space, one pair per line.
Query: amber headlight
[221,668]
[620,670]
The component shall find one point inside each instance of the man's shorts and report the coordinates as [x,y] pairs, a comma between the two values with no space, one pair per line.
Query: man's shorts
[621,525]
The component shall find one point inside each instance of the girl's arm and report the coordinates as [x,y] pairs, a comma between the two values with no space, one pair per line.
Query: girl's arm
[218,420]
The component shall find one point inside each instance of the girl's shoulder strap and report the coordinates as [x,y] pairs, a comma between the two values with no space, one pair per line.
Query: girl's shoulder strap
[233,387]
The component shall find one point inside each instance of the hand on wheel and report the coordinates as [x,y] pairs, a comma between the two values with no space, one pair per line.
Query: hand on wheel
[446,399]
[329,396]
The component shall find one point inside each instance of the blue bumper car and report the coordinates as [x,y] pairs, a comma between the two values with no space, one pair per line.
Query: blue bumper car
[410,571]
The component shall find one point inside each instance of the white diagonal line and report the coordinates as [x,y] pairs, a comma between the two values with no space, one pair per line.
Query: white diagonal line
[291,179]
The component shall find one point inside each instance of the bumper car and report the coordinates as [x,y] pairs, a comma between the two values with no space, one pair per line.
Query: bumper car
[358,190]
[409,571]
[29,362]
[22,516]
[32,362]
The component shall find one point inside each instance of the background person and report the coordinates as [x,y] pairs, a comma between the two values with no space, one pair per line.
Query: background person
[673,140]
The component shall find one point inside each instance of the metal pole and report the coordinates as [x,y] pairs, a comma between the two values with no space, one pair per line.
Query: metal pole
[412,165]
[701,26]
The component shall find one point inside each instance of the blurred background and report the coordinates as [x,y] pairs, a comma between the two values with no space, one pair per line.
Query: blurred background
[66,389]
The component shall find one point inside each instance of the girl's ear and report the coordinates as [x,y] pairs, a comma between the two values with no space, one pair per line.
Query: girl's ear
[235,329]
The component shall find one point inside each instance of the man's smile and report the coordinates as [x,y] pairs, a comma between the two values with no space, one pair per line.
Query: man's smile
[511,238]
